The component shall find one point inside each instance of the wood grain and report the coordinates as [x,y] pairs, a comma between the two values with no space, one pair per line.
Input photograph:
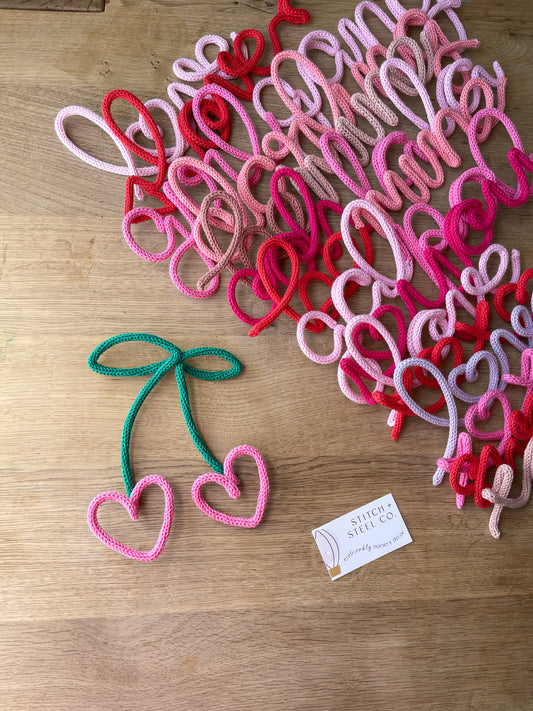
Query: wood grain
[224,618]
[54,5]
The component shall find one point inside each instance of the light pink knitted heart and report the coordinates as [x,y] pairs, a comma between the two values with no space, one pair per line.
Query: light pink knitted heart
[131,505]
[231,483]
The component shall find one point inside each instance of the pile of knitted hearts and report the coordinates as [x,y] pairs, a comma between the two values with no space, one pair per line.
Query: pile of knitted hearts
[338,140]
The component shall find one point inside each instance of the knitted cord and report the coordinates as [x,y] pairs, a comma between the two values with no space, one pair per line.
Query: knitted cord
[177,360]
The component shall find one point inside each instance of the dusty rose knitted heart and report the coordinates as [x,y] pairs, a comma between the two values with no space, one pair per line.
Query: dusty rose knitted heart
[131,505]
[231,483]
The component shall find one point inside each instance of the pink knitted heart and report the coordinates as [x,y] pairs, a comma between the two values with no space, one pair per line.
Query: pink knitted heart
[131,505]
[231,483]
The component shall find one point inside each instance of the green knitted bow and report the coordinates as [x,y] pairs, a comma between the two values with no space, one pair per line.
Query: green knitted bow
[177,360]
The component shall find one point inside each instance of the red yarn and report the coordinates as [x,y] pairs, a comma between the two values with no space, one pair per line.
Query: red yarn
[489,457]
[435,355]
[479,331]
[286,13]
[237,66]
[315,275]
[280,303]
[215,113]
[152,188]
[328,251]
[520,291]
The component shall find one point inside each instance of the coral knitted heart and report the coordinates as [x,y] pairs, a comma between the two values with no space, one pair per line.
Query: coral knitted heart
[231,483]
[131,505]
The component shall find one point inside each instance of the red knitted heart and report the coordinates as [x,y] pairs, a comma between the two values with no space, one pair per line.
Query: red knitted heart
[237,65]
[401,340]
[519,290]
[327,305]
[489,457]
[215,113]
[519,426]
[436,356]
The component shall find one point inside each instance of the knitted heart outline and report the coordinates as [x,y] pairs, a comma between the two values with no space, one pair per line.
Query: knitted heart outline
[231,484]
[131,504]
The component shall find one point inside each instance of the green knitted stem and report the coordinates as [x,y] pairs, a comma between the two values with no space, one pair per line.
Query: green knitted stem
[177,360]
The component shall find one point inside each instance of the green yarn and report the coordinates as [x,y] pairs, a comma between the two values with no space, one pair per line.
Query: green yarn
[177,360]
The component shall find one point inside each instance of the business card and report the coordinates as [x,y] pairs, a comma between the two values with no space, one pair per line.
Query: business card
[361,536]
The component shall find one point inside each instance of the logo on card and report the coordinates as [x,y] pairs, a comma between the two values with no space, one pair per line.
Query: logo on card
[330,550]
[361,536]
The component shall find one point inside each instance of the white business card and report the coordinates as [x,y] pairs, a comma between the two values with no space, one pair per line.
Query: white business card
[361,536]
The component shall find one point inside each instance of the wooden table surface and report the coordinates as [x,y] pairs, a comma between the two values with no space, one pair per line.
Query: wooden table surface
[225,618]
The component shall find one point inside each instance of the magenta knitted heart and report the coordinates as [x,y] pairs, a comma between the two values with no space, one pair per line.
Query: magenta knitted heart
[231,483]
[131,505]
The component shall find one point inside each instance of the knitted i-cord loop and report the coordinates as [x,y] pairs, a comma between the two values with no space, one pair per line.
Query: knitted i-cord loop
[230,483]
[285,13]
[177,360]
[443,324]
[229,67]
[387,79]
[406,291]
[131,504]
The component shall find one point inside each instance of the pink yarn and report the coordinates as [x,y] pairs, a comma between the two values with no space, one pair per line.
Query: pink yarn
[179,144]
[525,379]
[215,90]
[339,286]
[349,369]
[477,282]
[464,446]
[203,293]
[399,65]
[474,143]
[236,250]
[338,337]
[230,205]
[231,484]
[191,70]
[368,364]
[501,487]
[163,225]
[302,121]
[440,322]
[498,495]
[129,169]
[131,505]
[355,211]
